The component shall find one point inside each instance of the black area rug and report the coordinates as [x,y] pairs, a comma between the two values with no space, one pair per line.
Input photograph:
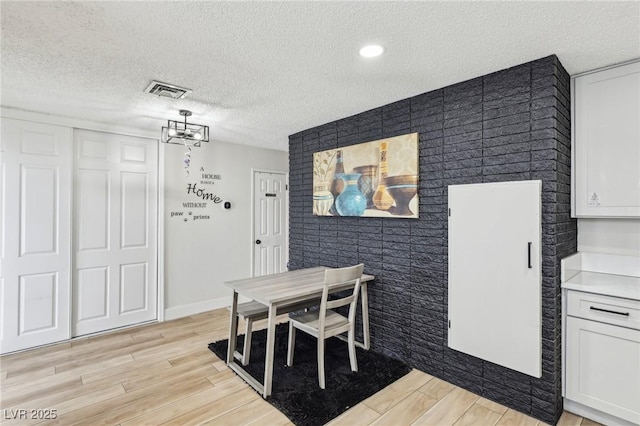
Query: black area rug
[295,390]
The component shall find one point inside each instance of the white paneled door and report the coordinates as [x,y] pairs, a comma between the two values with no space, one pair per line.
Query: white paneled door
[115,222]
[269,223]
[36,234]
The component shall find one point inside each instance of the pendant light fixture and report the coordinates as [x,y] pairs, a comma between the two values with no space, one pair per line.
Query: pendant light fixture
[183,133]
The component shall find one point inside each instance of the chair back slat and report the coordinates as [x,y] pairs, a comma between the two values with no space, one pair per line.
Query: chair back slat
[337,276]
[339,280]
[336,303]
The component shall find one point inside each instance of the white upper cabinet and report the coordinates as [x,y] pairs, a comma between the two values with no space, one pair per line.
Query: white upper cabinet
[606,142]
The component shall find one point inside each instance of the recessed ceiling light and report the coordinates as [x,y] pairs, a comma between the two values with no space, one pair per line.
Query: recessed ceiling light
[371,51]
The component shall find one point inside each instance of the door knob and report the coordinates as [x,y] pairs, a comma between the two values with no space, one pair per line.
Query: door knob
[258,242]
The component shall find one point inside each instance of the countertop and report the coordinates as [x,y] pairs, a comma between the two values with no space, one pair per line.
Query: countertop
[607,284]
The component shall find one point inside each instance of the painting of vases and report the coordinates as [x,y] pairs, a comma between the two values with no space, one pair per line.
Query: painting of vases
[380,178]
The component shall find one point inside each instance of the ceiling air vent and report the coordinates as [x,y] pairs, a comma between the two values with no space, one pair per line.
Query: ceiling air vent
[167,90]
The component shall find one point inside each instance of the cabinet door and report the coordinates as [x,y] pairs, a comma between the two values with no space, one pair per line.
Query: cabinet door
[495,273]
[606,119]
[36,234]
[603,367]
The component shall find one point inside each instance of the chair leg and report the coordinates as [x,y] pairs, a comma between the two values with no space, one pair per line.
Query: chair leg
[321,362]
[292,344]
[352,350]
[246,351]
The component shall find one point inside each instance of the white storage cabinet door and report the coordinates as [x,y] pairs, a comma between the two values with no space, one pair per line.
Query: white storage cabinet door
[495,273]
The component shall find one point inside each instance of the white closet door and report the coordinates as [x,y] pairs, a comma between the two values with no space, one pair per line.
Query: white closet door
[36,234]
[495,273]
[115,223]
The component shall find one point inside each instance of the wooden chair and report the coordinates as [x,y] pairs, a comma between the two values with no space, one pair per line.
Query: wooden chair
[254,311]
[325,322]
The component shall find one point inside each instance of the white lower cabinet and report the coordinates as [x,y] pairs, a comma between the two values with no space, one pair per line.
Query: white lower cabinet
[602,369]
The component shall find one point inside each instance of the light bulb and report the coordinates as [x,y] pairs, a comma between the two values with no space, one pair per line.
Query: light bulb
[172,132]
[371,51]
[197,135]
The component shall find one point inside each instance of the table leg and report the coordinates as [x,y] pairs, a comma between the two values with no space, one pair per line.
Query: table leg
[366,339]
[233,328]
[270,349]
[365,317]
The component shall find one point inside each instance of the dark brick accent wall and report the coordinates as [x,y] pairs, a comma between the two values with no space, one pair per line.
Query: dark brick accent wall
[510,125]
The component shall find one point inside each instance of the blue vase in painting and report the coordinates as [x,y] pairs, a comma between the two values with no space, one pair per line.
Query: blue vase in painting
[351,202]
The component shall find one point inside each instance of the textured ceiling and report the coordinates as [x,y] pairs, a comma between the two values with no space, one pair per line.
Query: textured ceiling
[261,71]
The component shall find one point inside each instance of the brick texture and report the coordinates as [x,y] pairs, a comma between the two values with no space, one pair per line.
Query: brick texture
[510,125]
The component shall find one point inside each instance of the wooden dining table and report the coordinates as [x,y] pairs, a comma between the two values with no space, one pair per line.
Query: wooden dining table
[277,291]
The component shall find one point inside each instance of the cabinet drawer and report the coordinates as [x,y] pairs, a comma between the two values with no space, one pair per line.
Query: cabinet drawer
[606,309]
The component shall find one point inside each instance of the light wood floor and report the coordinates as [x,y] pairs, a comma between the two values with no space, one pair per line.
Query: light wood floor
[164,374]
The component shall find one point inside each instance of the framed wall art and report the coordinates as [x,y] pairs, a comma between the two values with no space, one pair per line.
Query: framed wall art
[371,179]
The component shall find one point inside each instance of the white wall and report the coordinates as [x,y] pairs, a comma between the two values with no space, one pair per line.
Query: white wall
[200,255]
[610,236]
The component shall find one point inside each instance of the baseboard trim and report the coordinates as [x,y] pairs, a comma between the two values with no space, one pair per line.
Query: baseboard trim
[196,308]
[593,414]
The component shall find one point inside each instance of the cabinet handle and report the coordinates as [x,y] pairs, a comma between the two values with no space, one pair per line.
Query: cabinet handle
[593,308]
[529,255]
